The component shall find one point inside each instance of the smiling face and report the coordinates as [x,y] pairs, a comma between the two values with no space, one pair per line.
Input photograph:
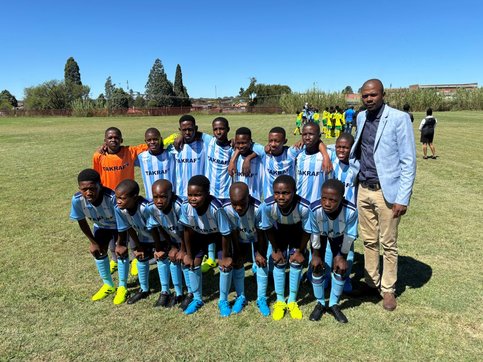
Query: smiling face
[154,141]
[188,131]
[113,140]
[90,190]
[276,141]
[330,200]
[197,196]
[243,143]
[343,149]
[372,95]
[283,194]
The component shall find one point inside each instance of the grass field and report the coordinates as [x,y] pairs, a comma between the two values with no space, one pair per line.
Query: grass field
[48,276]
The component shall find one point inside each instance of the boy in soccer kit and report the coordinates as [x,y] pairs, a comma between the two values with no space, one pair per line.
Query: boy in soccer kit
[96,203]
[333,220]
[155,163]
[132,218]
[243,213]
[285,217]
[205,222]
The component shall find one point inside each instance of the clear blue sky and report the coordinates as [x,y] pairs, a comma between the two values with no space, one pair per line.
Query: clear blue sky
[221,44]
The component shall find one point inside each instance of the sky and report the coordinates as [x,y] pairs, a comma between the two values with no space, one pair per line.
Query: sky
[220,45]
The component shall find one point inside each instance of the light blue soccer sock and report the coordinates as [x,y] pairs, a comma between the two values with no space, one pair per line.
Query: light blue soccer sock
[176,277]
[279,281]
[143,274]
[212,251]
[123,271]
[329,259]
[295,274]
[262,282]
[318,286]
[239,281]
[336,289]
[225,284]
[104,272]
[195,276]
[163,272]
[186,274]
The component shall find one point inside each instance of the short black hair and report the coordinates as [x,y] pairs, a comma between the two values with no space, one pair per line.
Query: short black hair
[334,184]
[89,175]
[285,179]
[429,111]
[129,186]
[280,130]
[115,129]
[244,130]
[201,181]
[312,124]
[187,118]
[406,107]
[152,130]
[221,119]
[346,136]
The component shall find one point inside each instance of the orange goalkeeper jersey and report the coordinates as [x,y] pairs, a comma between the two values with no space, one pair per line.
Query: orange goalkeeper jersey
[114,168]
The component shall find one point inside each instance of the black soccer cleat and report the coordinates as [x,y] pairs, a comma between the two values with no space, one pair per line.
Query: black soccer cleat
[137,297]
[337,313]
[317,313]
[186,301]
[163,300]
[175,300]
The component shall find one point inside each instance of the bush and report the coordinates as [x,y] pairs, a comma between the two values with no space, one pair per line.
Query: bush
[82,108]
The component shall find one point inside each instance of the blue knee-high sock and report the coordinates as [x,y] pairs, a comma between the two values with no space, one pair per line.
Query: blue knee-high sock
[212,251]
[318,286]
[329,258]
[225,284]
[294,281]
[279,281]
[123,271]
[104,272]
[143,274]
[176,277]
[262,282]
[186,273]
[196,281]
[336,289]
[163,272]
[239,281]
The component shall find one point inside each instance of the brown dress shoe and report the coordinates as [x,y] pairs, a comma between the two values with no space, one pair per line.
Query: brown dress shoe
[389,301]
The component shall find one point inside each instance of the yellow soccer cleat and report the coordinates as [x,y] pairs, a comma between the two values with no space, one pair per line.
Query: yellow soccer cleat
[207,265]
[121,295]
[294,310]
[112,266]
[134,267]
[103,292]
[279,310]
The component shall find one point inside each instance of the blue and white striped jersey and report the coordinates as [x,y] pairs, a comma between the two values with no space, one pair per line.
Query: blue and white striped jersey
[274,166]
[216,168]
[138,221]
[214,220]
[254,181]
[102,216]
[167,220]
[344,174]
[309,176]
[273,215]
[247,224]
[155,167]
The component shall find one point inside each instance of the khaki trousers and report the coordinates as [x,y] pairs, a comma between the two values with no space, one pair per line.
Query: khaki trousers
[378,228]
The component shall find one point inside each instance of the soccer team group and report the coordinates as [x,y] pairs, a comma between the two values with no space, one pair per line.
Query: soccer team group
[210,198]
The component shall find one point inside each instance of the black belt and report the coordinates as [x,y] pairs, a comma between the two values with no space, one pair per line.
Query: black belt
[373,186]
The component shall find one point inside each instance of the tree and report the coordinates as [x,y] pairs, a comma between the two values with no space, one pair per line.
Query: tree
[159,90]
[120,99]
[6,96]
[49,95]
[180,92]
[264,94]
[72,72]
[347,90]
[72,79]
[109,92]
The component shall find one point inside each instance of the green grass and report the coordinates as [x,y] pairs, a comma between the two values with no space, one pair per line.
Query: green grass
[48,275]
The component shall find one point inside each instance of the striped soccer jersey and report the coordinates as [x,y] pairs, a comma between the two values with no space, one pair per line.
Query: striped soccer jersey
[216,168]
[271,214]
[102,216]
[169,220]
[247,224]
[254,181]
[138,221]
[344,174]
[214,220]
[309,175]
[274,166]
[155,167]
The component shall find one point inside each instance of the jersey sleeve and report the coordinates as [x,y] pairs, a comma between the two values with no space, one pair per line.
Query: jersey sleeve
[259,150]
[76,212]
[266,220]
[136,150]
[350,232]
[183,215]
[206,138]
[223,222]
[121,221]
[96,162]
[293,152]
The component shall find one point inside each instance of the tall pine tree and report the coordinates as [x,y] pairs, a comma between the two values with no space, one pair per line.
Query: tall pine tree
[180,92]
[159,90]
[72,73]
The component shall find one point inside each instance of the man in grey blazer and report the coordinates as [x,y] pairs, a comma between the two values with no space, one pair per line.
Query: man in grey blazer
[384,154]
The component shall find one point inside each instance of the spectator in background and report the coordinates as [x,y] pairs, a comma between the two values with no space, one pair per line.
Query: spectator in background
[406,109]
[427,133]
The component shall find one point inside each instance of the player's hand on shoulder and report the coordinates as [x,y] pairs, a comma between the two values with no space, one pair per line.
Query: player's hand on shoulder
[299,144]
[102,149]
[178,143]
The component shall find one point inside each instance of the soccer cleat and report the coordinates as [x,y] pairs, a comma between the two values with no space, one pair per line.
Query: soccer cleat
[103,292]
[112,266]
[163,300]
[240,303]
[317,313]
[279,310]
[186,301]
[337,313]
[193,306]
[174,300]
[263,306]
[207,265]
[134,267]
[294,310]
[120,295]
[137,297]
[224,307]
